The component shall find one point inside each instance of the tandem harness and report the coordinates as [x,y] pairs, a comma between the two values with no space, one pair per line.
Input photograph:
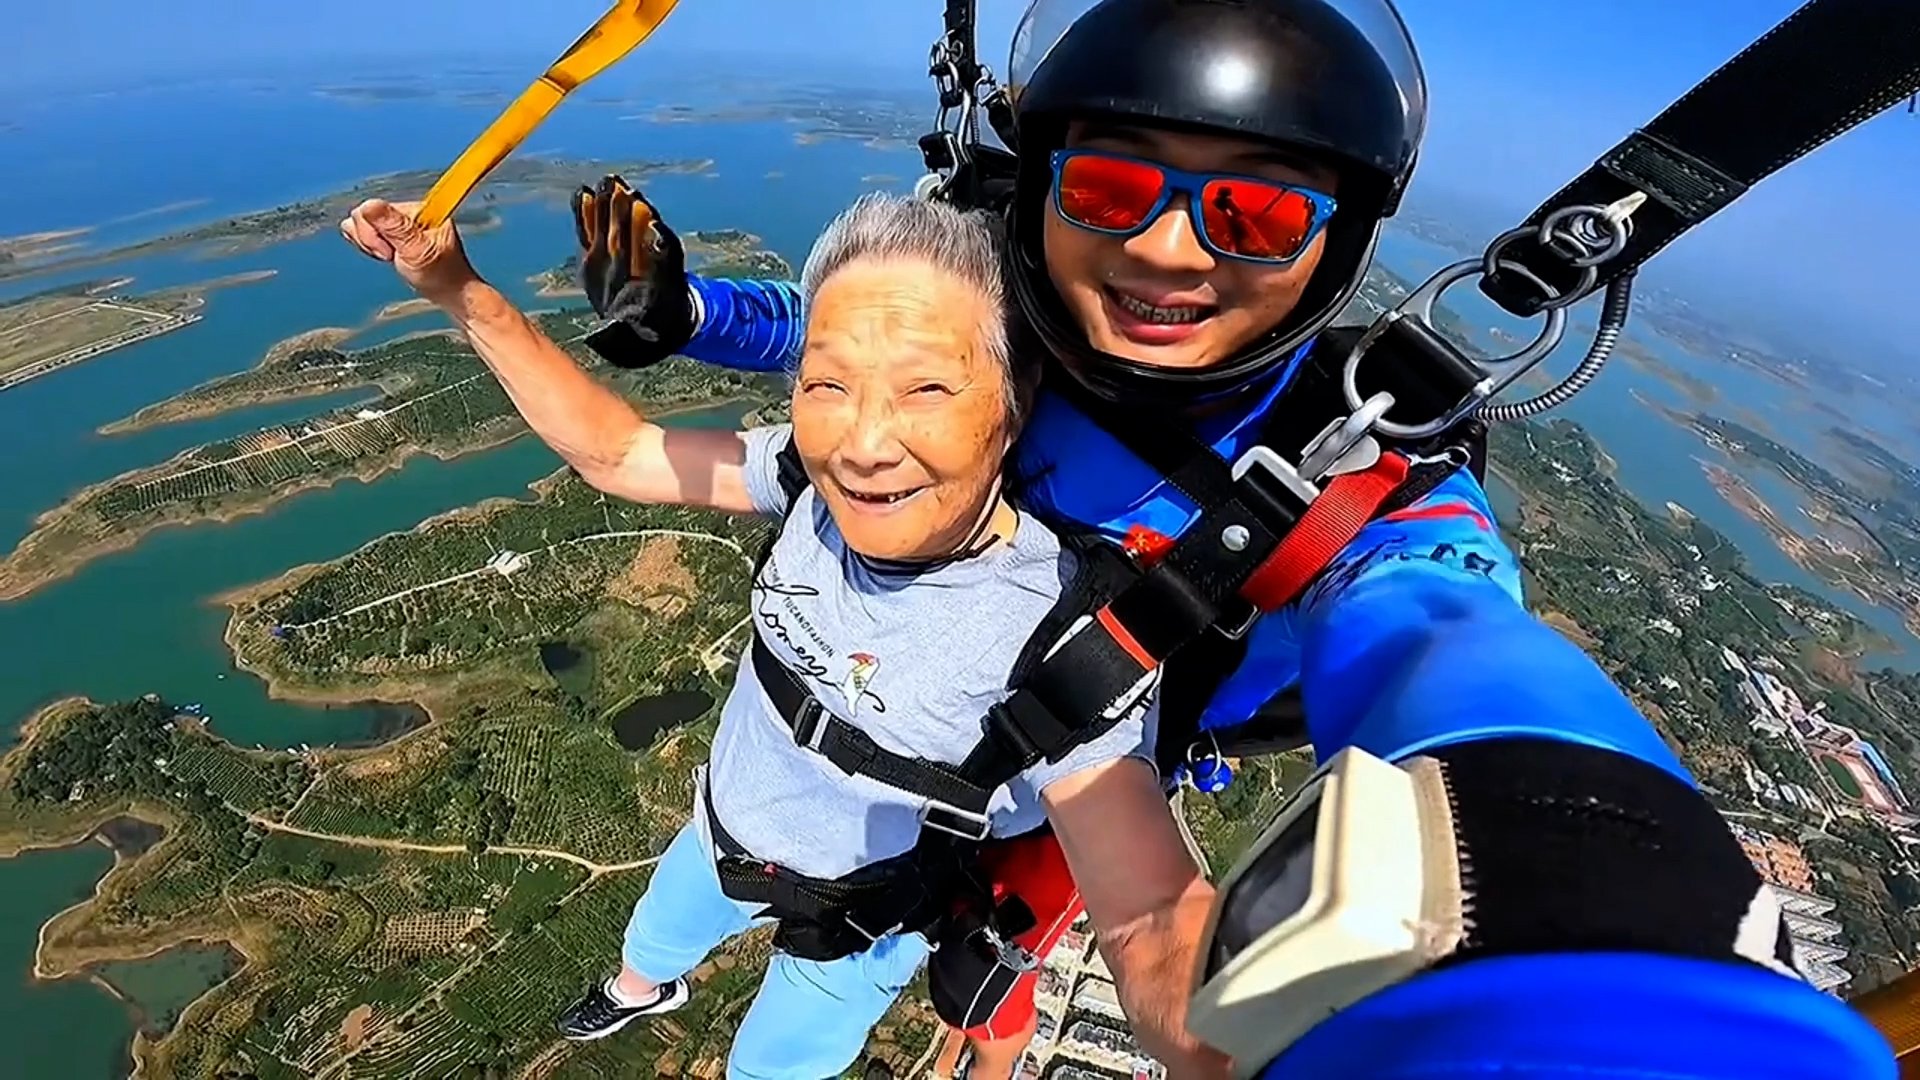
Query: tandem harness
[1263,534]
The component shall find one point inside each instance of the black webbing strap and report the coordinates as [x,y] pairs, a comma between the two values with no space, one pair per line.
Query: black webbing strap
[852,750]
[828,918]
[1829,66]
[753,881]
[1062,701]
[960,45]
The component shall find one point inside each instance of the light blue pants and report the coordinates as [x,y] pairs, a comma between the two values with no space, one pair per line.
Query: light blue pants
[810,1019]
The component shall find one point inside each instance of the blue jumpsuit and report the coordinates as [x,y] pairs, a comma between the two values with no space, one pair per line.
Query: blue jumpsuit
[1416,638]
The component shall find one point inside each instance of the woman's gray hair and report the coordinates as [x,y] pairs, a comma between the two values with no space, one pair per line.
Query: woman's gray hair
[967,244]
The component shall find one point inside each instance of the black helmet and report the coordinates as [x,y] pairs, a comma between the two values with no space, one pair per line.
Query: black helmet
[1338,79]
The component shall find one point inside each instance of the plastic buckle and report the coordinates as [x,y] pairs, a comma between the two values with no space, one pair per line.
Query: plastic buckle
[807,727]
[1264,458]
[954,821]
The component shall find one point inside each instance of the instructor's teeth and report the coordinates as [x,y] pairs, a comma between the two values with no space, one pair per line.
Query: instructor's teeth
[1153,313]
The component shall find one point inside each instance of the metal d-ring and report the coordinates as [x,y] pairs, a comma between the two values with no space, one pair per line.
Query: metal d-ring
[1341,436]
[1419,304]
[1585,252]
[1491,263]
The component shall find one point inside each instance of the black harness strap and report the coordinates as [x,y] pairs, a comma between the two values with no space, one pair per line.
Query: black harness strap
[1828,67]
[960,49]
[828,918]
[852,750]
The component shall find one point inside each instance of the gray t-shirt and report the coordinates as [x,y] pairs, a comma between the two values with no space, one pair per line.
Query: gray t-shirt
[912,660]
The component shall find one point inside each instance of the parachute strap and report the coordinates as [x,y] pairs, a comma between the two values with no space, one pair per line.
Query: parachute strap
[1828,67]
[960,52]
[1345,506]
[825,919]
[962,804]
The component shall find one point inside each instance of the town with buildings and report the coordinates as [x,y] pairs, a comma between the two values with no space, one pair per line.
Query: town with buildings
[1859,784]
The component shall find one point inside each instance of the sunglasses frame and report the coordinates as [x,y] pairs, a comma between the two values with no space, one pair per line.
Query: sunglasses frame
[1191,184]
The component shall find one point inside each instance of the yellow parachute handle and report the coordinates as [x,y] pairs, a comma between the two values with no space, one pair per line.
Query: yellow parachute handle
[616,33]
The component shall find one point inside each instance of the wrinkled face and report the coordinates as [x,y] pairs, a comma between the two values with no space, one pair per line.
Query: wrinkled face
[899,412]
[1159,297]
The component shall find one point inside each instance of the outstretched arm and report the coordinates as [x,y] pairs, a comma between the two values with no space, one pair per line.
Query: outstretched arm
[599,433]
[746,324]
[1146,898]
[1416,638]
[1413,644]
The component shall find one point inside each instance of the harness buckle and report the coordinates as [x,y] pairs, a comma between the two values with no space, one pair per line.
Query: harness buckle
[1235,633]
[1347,444]
[1265,459]
[807,726]
[1009,953]
[954,821]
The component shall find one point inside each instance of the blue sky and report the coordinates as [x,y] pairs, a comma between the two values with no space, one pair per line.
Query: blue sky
[1525,93]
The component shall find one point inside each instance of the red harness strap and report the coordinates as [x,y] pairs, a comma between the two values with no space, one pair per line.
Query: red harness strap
[1345,506]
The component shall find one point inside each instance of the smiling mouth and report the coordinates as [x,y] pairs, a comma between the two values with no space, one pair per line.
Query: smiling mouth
[879,498]
[1164,316]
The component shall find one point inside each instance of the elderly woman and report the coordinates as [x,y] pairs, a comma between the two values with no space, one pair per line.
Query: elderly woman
[890,616]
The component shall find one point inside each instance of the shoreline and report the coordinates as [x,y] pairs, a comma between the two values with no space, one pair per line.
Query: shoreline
[48,966]
[158,414]
[1747,501]
[95,350]
[428,697]
[253,230]
[402,309]
[195,297]
[15,586]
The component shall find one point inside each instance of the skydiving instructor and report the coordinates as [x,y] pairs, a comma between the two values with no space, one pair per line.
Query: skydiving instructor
[1200,188]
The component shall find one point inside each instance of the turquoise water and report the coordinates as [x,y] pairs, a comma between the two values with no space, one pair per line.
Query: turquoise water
[71,1028]
[1656,457]
[143,620]
[161,987]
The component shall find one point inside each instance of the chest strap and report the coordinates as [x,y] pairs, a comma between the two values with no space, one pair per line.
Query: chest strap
[1261,538]
[957,805]
[1250,552]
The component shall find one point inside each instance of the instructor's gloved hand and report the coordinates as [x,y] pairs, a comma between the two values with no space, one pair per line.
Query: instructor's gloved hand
[635,275]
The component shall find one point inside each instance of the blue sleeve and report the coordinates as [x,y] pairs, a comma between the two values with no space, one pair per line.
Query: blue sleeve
[1622,1016]
[747,325]
[1416,638]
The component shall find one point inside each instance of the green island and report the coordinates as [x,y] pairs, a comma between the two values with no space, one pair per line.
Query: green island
[879,120]
[720,253]
[433,395]
[515,180]
[54,329]
[1668,605]
[426,906]
[35,246]
[1707,337]
[1700,391]
[1861,535]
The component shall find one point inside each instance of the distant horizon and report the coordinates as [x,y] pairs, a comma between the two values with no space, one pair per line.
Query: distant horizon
[1791,302]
